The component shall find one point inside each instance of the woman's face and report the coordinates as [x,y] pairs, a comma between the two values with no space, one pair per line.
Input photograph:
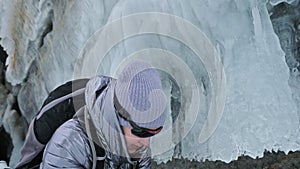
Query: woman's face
[133,142]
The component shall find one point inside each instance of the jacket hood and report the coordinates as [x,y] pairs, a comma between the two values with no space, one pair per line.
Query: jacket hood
[99,102]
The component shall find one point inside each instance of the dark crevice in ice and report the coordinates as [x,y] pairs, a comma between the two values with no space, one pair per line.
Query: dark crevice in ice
[175,100]
[5,145]
[286,23]
[6,105]
[48,29]
[175,109]
[170,84]
[3,57]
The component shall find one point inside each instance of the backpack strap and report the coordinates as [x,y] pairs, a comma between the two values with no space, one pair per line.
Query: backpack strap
[59,100]
[98,153]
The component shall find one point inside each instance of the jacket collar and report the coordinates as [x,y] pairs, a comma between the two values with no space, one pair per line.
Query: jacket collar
[104,116]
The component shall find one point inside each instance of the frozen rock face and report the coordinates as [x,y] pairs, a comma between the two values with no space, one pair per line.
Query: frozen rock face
[223,66]
[13,126]
[286,22]
[16,126]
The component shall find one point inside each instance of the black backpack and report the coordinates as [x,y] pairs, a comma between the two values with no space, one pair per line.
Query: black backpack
[60,106]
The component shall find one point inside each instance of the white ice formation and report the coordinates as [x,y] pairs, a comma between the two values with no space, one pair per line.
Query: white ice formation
[205,48]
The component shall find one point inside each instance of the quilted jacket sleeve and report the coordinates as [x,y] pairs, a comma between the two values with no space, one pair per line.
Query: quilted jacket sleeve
[68,148]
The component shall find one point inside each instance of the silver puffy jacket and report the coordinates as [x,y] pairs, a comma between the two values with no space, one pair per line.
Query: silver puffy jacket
[70,148]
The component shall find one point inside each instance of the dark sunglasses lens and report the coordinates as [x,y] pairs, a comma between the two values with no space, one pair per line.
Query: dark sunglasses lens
[141,133]
[144,132]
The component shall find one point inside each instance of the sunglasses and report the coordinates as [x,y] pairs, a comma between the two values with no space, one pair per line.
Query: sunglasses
[136,130]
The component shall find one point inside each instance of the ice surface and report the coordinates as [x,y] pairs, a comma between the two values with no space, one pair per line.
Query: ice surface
[3,165]
[52,43]
[276,2]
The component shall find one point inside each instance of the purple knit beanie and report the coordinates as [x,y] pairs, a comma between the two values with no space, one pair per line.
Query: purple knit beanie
[139,92]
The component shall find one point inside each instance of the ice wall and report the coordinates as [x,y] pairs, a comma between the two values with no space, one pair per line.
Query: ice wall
[203,46]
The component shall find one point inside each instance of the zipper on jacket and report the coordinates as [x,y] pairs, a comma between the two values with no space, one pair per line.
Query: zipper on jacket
[135,164]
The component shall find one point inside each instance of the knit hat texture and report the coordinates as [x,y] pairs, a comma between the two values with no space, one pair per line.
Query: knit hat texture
[139,91]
